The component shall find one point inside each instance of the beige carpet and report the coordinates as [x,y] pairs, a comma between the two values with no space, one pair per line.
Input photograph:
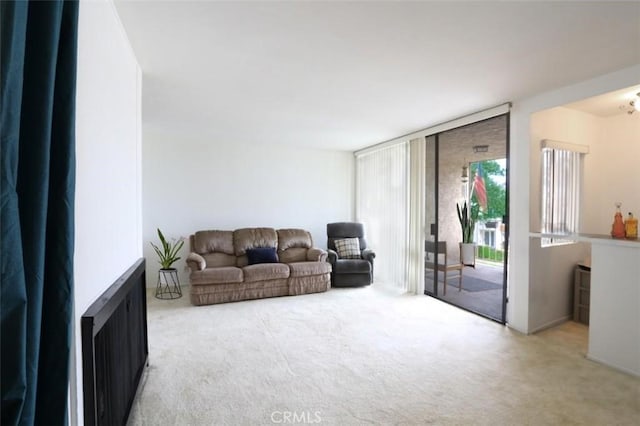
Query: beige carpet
[368,356]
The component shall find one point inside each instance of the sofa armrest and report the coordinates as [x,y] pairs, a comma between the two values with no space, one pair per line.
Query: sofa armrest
[368,254]
[332,256]
[196,262]
[316,255]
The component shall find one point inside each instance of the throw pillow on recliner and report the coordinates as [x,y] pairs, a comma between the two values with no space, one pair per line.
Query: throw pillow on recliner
[348,248]
[262,255]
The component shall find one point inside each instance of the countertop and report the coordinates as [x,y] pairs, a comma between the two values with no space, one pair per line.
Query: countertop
[593,239]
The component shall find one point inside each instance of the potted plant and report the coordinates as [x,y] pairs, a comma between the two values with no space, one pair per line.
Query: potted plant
[467,246]
[168,284]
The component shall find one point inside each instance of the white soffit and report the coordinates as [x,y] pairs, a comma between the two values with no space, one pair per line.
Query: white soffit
[442,127]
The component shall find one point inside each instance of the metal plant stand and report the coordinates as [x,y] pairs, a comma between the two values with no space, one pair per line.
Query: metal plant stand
[168,284]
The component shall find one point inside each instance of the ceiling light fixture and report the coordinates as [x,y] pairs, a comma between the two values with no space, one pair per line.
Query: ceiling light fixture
[635,104]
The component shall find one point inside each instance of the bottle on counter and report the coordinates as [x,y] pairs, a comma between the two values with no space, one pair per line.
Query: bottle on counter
[631,227]
[617,229]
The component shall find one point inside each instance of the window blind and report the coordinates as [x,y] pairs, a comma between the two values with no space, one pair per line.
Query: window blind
[561,181]
[382,205]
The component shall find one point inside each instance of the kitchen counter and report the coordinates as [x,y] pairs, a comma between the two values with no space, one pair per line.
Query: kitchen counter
[592,238]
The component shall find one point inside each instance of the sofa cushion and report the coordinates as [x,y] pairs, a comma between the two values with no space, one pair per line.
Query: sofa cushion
[213,241]
[215,260]
[248,238]
[226,274]
[294,254]
[262,255]
[300,269]
[351,266]
[348,248]
[290,238]
[265,272]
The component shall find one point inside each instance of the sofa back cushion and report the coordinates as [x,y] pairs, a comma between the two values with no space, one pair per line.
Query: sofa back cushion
[215,260]
[249,238]
[213,241]
[215,246]
[293,245]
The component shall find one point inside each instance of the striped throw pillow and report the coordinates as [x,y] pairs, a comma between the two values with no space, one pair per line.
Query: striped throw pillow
[349,248]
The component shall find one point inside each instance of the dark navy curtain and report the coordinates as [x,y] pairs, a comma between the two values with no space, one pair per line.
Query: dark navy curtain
[39,49]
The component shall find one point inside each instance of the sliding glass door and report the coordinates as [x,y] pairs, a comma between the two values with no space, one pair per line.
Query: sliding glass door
[466,216]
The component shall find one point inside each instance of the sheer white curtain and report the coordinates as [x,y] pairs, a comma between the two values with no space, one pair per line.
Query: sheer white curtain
[417,210]
[382,205]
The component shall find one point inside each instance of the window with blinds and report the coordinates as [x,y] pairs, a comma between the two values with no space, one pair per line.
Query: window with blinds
[561,184]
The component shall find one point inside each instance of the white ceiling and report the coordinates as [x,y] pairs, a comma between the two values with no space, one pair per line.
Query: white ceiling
[347,75]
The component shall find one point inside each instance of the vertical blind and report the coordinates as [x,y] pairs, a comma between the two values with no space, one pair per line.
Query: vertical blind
[382,205]
[560,192]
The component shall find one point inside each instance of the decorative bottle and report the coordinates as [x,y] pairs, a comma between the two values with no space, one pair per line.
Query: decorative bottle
[617,229]
[631,227]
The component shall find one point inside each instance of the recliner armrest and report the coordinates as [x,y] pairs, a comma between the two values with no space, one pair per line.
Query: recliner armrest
[196,262]
[316,255]
[368,254]
[332,256]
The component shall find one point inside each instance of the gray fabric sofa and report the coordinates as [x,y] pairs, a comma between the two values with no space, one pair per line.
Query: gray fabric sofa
[220,269]
[349,272]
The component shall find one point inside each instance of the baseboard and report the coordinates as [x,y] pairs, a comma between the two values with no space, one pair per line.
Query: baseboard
[614,367]
[551,324]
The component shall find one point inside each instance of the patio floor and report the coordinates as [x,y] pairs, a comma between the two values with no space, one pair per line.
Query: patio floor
[485,300]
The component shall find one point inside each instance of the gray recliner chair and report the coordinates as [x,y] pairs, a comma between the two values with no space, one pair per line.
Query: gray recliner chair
[349,272]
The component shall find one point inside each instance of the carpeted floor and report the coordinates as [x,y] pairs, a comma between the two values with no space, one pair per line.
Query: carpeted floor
[368,356]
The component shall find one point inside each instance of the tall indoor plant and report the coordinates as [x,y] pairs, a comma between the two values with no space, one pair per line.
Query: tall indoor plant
[467,224]
[169,253]
[168,282]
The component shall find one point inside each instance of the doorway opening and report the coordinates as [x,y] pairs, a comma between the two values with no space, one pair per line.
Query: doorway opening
[467,184]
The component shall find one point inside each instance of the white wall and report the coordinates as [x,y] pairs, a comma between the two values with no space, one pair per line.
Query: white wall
[609,168]
[108,223]
[551,282]
[520,208]
[192,185]
[611,173]
[566,125]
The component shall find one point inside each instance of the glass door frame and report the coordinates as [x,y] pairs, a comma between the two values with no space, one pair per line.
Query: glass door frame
[433,228]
